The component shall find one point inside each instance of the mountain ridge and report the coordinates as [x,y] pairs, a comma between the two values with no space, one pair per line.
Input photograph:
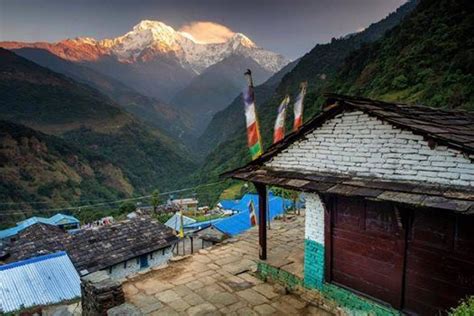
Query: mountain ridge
[55,104]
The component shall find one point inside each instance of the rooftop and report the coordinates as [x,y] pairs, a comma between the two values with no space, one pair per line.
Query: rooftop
[453,129]
[221,280]
[43,280]
[58,219]
[94,249]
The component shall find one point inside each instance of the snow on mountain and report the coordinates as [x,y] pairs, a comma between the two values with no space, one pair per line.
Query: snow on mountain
[149,39]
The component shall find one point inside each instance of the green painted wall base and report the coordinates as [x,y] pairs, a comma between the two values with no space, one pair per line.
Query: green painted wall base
[313,264]
[351,303]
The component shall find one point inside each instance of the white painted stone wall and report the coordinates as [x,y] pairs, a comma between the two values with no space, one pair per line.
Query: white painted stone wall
[314,218]
[155,259]
[359,144]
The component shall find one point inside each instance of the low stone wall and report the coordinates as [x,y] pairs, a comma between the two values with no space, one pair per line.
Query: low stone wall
[327,296]
[100,293]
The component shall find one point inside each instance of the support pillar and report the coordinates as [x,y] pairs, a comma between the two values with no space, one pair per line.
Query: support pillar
[262,220]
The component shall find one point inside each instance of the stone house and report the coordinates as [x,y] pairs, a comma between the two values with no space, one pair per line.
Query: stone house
[389,193]
[121,249]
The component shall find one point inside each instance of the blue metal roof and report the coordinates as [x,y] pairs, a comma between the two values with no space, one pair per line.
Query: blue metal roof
[58,219]
[240,222]
[175,221]
[203,224]
[42,280]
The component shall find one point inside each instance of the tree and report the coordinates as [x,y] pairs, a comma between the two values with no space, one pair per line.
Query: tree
[155,200]
[127,207]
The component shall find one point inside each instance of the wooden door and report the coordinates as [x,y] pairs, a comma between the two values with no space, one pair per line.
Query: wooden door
[440,261]
[367,248]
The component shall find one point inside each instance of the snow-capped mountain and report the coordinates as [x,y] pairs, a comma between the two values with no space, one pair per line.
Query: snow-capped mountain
[153,39]
[149,39]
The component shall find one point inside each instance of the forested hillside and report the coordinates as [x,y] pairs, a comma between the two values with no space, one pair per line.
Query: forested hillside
[153,111]
[227,130]
[146,157]
[428,59]
[47,169]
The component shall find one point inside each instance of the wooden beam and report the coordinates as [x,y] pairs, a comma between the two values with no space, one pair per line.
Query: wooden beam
[262,220]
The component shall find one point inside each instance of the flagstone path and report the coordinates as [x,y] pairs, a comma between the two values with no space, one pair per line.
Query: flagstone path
[221,280]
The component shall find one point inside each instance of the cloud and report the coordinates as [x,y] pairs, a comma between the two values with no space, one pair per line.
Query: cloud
[208,32]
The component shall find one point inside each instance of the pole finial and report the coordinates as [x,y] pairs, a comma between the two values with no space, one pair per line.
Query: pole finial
[248,74]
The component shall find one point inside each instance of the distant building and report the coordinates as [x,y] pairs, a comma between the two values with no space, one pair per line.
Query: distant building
[66,222]
[188,204]
[175,222]
[121,248]
[32,284]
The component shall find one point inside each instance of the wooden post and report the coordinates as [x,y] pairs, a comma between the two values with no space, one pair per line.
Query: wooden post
[262,220]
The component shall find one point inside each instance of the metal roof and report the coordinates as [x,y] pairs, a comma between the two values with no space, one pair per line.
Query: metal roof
[58,219]
[175,221]
[240,222]
[42,280]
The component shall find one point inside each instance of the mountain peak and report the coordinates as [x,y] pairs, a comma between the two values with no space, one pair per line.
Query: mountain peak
[239,38]
[149,40]
[155,26]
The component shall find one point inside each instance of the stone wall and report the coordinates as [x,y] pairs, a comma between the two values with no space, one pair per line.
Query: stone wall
[356,143]
[100,293]
[131,266]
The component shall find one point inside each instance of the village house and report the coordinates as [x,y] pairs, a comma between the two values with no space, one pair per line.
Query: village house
[121,249]
[389,221]
[187,204]
[66,222]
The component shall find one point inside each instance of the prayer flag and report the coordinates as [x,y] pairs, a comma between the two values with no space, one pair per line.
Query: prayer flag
[253,133]
[253,216]
[299,107]
[279,133]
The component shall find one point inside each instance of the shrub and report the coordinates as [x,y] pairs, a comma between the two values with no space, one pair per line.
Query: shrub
[465,308]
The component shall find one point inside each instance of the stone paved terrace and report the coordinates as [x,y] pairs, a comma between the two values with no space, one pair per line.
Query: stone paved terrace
[221,280]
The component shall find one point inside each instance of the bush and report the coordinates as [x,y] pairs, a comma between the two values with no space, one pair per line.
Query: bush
[465,308]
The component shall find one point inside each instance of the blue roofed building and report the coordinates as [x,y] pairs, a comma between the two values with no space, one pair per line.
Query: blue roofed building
[62,221]
[240,222]
[37,282]
[175,222]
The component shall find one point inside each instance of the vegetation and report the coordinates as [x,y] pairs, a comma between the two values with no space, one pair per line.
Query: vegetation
[52,173]
[226,134]
[465,308]
[155,200]
[428,59]
[99,153]
[162,217]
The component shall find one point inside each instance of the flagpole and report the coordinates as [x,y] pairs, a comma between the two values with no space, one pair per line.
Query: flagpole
[253,132]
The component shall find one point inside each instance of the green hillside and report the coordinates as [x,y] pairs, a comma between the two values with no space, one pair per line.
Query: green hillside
[46,169]
[428,59]
[227,130]
[84,118]
[154,112]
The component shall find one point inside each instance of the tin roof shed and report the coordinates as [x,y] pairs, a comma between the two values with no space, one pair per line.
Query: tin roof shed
[43,280]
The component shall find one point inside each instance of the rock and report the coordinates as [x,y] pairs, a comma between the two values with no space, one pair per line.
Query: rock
[124,310]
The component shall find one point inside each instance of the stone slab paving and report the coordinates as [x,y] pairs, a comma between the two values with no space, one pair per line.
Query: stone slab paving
[221,280]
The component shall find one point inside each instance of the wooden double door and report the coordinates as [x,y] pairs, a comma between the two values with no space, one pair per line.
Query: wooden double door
[419,261]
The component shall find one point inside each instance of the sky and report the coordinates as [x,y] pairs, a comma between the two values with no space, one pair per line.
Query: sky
[290,27]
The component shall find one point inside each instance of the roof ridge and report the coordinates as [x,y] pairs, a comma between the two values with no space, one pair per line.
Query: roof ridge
[32,260]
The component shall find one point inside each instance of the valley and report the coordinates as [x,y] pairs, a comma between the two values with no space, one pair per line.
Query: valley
[164,110]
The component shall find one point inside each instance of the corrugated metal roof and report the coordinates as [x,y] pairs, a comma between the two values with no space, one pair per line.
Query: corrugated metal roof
[175,221]
[42,280]
[240,222]
[58,219]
